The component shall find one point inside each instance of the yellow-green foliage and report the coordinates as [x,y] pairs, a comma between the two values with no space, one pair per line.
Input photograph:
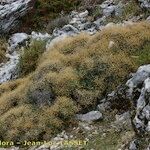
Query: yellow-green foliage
[78,72]
[3,47]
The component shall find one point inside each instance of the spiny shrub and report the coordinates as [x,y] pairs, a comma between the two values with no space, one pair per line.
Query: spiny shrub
[71,77]
[144,54]
[3,47]
[57,23]
[131,9]
[29,57]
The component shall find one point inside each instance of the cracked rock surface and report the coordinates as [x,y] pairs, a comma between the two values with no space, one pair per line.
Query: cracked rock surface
[11,12]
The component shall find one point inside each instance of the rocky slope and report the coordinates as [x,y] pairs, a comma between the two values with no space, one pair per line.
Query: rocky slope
[121,120]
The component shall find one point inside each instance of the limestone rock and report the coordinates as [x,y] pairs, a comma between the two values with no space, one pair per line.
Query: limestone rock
[90,116]
[16,39]
[133,145]
[142,116]
[145,4]
[12,12]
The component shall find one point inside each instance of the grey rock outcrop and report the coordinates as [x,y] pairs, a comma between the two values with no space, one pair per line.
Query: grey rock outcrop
[138,78]
[8,69]
[90,116]
[142,117]
[145,4]
[109,8]
[135,97]
[11,13]
[138,91]
[141,82]
[133,145]
[16,39]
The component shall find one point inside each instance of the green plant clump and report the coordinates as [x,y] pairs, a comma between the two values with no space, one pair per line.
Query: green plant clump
[29,58]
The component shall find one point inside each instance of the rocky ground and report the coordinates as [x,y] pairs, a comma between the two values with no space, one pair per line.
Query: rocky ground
[126,131]
[104,127]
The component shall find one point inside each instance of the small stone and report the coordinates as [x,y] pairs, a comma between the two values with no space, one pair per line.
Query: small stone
[109,11]
[103,106]
[84,14]
[148,18]
[133,145]
[104,135]
[111,44]
[148,127]
[90,116]
[70,28]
